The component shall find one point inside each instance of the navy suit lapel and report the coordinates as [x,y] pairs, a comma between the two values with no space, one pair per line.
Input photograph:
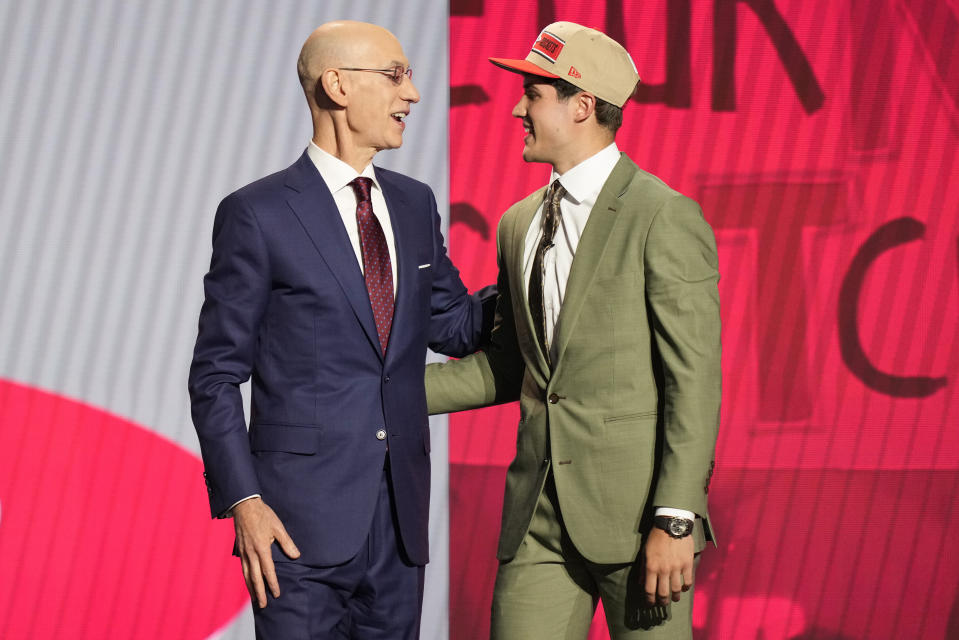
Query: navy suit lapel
[313,205]
[404,242]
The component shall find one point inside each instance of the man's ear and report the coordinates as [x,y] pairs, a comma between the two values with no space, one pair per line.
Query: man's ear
[585,106]
[331,84]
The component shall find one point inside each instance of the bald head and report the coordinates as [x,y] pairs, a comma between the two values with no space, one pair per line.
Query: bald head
[344,43]
[352,74]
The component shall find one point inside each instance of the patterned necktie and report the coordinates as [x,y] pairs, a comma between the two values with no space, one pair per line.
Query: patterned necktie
[551,214]
[377,270]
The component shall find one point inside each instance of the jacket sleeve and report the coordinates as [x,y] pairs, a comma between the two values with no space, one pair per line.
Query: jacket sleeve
[492,376]
[237,289]
[459,322]
[682,276]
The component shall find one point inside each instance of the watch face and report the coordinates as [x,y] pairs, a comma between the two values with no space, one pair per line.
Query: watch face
[679,527]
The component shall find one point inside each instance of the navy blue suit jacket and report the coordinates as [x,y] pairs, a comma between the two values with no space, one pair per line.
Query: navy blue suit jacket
[286,304]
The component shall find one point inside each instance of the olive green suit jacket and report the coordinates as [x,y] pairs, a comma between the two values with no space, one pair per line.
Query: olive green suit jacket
[628,413]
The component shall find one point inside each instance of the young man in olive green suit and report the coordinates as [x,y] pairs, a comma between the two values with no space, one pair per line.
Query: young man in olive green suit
[607,332]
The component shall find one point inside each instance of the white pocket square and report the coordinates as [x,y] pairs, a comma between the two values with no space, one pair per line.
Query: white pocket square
[423,266]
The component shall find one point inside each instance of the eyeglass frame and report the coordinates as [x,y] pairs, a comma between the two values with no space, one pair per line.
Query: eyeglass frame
[395,74]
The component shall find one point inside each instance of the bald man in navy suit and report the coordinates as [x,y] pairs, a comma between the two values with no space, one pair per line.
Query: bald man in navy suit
[328,281]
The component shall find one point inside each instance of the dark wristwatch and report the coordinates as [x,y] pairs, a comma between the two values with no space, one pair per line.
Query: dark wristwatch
[675,527]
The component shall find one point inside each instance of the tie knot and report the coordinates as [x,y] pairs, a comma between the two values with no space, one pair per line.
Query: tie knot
[556,193]
[361,187]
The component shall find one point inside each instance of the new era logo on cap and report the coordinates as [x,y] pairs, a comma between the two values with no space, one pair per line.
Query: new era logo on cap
[574,73]
[548,45]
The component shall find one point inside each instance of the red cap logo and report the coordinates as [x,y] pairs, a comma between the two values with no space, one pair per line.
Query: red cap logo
[548,46]
[574,73]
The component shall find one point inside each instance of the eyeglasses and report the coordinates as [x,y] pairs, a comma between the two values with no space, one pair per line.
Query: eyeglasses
[395,74]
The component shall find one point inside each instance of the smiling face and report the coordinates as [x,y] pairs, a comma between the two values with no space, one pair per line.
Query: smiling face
[546,120]
[377,105]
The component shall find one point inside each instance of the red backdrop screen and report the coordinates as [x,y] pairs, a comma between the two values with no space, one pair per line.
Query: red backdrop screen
[820,139]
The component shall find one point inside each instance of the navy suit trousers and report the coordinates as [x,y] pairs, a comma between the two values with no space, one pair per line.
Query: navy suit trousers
[376,595]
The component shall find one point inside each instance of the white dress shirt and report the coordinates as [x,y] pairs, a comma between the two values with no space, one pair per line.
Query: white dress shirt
[338,175]
[583,184]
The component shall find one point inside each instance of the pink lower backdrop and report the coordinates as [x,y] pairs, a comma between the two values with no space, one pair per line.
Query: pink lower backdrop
[104,532]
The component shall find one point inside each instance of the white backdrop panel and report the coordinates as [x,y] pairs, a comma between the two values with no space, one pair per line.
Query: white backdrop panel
[122,124]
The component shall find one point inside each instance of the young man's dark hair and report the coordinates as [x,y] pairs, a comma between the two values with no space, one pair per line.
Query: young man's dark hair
[607,114]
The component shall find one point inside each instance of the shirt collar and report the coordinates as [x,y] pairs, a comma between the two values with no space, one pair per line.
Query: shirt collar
[585,180]
[336,173]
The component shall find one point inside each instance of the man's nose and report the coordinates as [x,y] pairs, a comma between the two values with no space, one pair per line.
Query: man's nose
[410,93]
[519,110]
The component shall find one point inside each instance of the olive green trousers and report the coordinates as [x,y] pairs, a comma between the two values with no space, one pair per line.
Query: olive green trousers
[548,591]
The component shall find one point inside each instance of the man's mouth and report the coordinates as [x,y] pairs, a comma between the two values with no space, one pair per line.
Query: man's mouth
[399,115]
[528,128]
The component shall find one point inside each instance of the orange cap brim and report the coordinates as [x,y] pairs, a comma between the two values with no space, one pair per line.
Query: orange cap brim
[521,66]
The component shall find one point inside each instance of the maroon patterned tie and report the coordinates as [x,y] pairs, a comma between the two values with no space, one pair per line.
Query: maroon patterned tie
[377,270]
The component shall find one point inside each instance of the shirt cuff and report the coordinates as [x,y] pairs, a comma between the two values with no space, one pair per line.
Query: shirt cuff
[676,513]
[229,512]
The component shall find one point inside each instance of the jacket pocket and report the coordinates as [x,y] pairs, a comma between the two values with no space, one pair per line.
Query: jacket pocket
[636,415]
[286,438]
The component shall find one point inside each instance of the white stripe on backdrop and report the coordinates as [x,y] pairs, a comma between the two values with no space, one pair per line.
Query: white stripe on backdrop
[122,124]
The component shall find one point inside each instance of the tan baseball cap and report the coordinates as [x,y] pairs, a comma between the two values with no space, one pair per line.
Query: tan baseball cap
[584,57]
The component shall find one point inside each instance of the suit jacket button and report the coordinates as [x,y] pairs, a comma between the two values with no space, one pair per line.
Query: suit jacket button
[553,398]
[381,434]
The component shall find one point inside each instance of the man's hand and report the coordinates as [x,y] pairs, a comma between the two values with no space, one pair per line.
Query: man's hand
[669,566]
[257,527]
